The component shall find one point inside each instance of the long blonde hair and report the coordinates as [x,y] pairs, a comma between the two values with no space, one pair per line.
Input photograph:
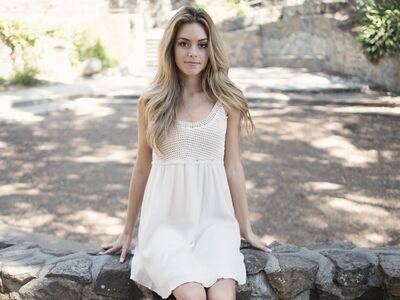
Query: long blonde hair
[162,97]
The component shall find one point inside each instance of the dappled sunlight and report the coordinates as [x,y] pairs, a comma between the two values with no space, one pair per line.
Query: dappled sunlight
[375,238]
[342,149]
[255,216]
[114,186]
[321,186]
[387,202]
[3,145]
[23,117]
[84,152]
[256,157]
[250,185]
[18,188]
[87,222]
[30,217]
[87,108]
[395,111]
[368,238]
[367,211]
[269,238]
[257,92]
[108,153]
[310,175]
[316,222]
[47,146]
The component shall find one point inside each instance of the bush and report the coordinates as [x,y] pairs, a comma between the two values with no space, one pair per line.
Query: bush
[86,47]
[20,39]
[17,36]
[26,76]
[379,27]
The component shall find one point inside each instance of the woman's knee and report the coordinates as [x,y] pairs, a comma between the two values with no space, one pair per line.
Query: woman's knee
[190,291]
[223,289]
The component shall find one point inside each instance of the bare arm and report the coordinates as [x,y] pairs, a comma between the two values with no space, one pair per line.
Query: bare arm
[236,180]
[235,172]
[140,172]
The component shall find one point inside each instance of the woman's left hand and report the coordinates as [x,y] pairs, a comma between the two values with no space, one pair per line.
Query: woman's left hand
[256,242]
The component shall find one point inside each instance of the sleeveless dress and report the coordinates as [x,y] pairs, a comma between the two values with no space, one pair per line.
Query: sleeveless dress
[188,230]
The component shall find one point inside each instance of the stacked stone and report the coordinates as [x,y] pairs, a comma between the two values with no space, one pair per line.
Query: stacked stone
[318,271]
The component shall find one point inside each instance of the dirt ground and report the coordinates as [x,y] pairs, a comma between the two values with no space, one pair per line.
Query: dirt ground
[314,173]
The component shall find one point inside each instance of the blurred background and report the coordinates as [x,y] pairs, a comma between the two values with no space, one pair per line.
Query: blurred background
[83,37]
[322,78]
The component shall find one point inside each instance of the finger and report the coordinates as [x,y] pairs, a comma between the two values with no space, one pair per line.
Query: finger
[109,251]
[266,249]
[123,254]
[104,246]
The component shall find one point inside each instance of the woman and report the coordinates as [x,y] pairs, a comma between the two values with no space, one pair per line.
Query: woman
[188,173]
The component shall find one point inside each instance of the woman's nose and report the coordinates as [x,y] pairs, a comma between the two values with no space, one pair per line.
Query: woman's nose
[192,52]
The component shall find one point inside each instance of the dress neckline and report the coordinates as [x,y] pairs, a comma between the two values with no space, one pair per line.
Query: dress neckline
[200,122]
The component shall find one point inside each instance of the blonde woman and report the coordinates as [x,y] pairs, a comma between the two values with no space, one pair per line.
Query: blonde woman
[188,179]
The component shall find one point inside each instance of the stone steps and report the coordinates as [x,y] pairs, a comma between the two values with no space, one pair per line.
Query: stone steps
[152,40]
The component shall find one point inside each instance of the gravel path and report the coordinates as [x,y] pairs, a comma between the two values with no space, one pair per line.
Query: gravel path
[313,172]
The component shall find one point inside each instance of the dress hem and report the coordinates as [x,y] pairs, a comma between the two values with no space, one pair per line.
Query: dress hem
[205,283]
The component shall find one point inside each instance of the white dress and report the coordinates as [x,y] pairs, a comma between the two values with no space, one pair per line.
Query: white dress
[188,230]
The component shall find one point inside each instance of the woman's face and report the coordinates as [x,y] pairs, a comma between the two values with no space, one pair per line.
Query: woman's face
[191,53]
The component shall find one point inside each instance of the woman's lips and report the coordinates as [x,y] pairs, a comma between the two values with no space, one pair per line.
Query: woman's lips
[192,63]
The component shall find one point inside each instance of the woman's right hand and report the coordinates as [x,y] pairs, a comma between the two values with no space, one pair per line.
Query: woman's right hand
[122,243]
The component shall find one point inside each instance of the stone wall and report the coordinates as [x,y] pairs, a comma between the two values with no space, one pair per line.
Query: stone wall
[318,271]
[314,34]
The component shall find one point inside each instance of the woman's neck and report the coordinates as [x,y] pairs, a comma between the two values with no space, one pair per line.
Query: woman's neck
[191,85]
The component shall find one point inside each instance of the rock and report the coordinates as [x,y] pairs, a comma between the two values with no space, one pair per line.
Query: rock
[325,246]
[285,249]
[6,243]
[76,269]
[295,275]
[257,288]
[58,253]
[20,245]
[330,272]
[372,293]
[91,66]
[255,260]
[390,265]
[352,268]
[114,279]
[50,289]
[303,295]
[18,272]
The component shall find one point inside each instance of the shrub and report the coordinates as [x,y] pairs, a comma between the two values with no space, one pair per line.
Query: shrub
[86,47]
[20,39]
[17,36]
[25,76]
[379,27]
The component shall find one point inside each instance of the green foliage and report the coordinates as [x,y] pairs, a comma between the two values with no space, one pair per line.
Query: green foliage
[17,36]
[26,76]
[86,47]
[197,5]
[240,6]
[379,27]
[56,33]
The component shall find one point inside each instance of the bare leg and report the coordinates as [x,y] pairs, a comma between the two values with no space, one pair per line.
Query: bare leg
[223,289]
[190,291]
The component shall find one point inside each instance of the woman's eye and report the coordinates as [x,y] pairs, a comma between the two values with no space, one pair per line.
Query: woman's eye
[185,44]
